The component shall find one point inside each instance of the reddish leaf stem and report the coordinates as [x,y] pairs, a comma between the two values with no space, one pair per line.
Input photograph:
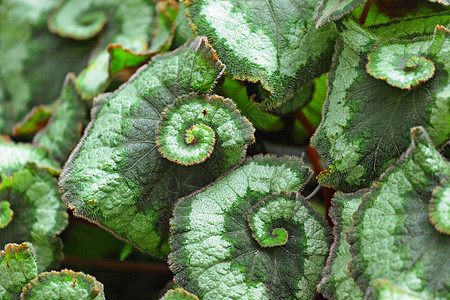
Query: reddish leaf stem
[327,193]
[365,12]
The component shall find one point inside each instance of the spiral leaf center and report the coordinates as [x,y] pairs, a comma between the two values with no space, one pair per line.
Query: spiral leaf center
[263,216]
[191,126]
[399,64]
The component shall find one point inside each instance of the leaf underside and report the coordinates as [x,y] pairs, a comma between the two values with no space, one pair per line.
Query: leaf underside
[274,43]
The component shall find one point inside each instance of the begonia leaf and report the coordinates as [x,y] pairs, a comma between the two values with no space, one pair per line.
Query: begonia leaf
[439,207]
[274,43]
[121,58]
[166,15]
[366,120]
[34,61]
[84,19]
[39,213]
[117,177]
[178,294]
[65,284]
[6,213]
[385,290]
[17,268]
[34,121]
[64,128]
[392,237]
[332,10]
[14,156]
[242,238]
[337,282]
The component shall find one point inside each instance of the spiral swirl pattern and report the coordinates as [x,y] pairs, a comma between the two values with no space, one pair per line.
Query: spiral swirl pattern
[402,65]
[191,126]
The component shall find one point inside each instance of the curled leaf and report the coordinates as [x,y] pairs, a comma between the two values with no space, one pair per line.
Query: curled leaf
[84,19]
[400,64]
[39,213]
[273,44]
[65,284]
[189,129]
[117,177]
[17,268]
[367,121]
[439,207]
[392,237]
[243,238]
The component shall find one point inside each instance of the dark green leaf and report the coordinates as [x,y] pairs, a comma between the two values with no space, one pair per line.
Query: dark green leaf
[367,121]
[116,177]
[242,238]
[393,237]
[39,213]
[274,43]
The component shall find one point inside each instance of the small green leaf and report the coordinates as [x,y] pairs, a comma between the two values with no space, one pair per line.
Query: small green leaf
[392,237]
[189,129]
[39,213]
[34,120]
[121,58]
[17,268]
[64,128]
[14,156]
[84,19]
[332,10]
[367,121]
[400,65]
[274,43]
[337,282]
[439,207]
[116,177]
[6,214]
[242,238]
[178,294]
[65,284]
